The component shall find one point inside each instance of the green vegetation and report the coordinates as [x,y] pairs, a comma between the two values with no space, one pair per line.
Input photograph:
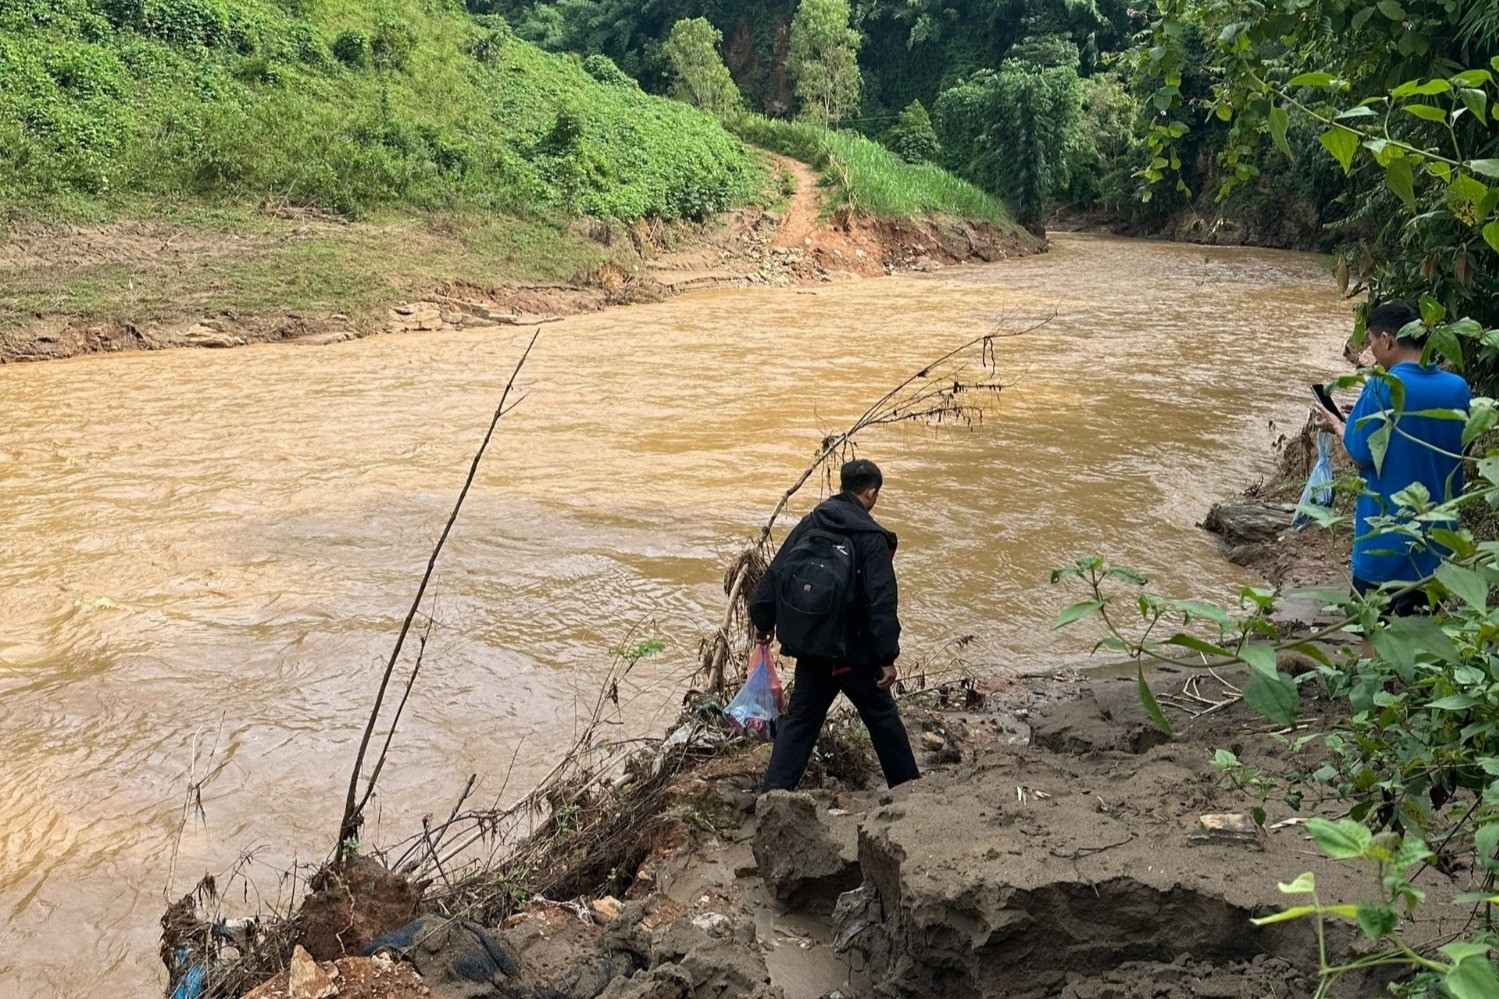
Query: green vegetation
[865,176]
[823,58]
[1011,131]
[1005,80]
[698,75]
[338,105]
[912,137]
[1395,98]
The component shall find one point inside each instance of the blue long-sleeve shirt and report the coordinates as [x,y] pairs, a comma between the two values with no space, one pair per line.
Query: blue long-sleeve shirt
[1422,449]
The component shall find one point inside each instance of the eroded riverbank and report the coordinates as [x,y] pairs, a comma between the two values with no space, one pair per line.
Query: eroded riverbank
[216,548]
[145,286]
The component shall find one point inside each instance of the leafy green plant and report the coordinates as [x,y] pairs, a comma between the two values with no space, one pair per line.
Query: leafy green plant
[643,649]
[186,22]
[912,137]
[1466,972]
[698,75]
[352,48]
[1400,94]
[1010,131]
[822,59]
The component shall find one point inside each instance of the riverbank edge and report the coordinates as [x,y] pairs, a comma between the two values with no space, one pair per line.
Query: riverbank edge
[1056,845]
[645,262]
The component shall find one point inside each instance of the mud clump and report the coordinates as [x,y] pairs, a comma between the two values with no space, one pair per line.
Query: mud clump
[709,955]
[1086,726]
[804,861]
[350,907]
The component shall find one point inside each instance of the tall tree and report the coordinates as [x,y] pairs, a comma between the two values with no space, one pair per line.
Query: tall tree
[1011,130]
[698,75]
[823,59]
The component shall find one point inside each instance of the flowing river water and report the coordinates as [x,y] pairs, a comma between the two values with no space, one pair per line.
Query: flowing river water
[213,550]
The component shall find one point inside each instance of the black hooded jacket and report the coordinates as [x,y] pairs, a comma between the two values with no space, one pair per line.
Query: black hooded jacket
[876,640]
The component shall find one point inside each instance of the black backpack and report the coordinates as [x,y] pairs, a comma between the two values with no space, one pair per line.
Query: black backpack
[816,587]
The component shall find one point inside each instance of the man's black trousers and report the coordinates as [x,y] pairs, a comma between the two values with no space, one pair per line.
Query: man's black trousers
[816,689]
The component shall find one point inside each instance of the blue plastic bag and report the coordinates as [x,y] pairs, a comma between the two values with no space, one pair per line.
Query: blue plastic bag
[759,703]
[1318,491]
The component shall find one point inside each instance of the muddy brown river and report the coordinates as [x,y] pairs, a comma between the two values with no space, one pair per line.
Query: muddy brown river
[212,551]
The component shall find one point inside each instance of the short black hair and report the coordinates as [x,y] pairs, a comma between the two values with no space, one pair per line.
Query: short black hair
[1391,318]
[858,475]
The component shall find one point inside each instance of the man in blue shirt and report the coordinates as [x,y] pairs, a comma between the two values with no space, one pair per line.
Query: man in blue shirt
[1421,449]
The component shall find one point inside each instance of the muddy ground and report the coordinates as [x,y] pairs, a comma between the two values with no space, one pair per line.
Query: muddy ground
[1056,846]
[744,248]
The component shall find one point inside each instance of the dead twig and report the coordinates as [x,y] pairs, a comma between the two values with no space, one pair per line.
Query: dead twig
[931,394]
[353,814]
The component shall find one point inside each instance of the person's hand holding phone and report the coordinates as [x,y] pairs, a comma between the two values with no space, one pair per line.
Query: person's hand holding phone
[1326,416]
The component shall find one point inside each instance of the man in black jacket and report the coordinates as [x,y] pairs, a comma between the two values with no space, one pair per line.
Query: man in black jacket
[874,640]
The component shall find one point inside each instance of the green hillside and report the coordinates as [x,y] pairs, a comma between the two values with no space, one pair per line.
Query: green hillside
[336,105]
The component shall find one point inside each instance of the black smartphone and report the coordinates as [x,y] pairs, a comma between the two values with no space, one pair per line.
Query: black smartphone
[1320,391]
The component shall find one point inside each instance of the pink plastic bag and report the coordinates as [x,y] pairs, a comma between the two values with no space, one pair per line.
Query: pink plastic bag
[761,700]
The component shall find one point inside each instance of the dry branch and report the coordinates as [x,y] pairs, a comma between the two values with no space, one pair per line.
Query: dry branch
[932,394]
[353,814]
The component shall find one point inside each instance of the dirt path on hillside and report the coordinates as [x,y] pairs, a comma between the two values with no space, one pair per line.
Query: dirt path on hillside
[803,214]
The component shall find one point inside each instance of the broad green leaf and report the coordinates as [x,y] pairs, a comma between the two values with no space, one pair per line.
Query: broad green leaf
[1425,111]
[1224,760]
[1454,702]
[1198,645]
[1474,897]
[1313,652]
[1077,612]
[1313,80]
[1342,143]
[1477,103]
[1414,88]
[1491,235]
[1196,608]
[1152,708]
[1377,920]
[1341,840]
[1274,696]
[1472,78]
[1486,840]
[1304,885]
[1398,176]
[1432,311]
[1468,585]
[1472,978]
[1480,422]
[1489,168]
[1468,189]
[1412,851]
[1426,636]
[1361,111]
[1286,915]
[1379,444]
[1126,574]
[1278,120]
[1260,658]
[1391,9]
[1461,950]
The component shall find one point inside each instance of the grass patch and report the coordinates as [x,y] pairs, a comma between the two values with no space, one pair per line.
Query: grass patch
[868,177]
[211,262]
